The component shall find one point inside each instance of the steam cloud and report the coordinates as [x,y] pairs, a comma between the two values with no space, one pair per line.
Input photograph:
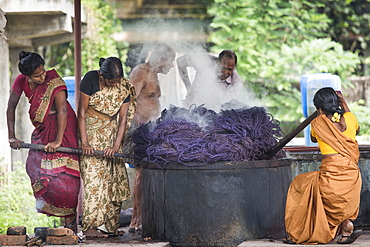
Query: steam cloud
[207,92]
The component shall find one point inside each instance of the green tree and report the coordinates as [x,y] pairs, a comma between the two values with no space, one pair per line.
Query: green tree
[277,42]
[98,42]
[315,56]
[18,206]
[350,21]
[253,28]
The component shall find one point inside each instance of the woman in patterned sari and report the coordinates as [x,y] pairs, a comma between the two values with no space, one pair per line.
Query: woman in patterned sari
[321,204]
[55,177]
[106,107]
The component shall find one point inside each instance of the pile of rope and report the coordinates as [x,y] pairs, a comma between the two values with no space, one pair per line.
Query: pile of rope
[197,136]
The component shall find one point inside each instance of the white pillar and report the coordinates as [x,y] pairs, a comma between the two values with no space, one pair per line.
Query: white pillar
[5,152]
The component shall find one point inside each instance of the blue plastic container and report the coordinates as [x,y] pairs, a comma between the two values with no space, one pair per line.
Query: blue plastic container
[310,84]
[70,82]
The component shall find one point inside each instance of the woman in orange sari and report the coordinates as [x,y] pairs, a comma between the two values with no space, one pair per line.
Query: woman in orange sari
[321,204]
[55,177]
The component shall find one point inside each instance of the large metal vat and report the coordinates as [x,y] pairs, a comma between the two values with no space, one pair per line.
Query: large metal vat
[218,204]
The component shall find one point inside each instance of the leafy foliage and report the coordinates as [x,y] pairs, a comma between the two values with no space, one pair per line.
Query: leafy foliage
[277,42]
[350,22]
[17,205]
[100,43]
[102,24]
[254,28]
[316,56]
[363,115]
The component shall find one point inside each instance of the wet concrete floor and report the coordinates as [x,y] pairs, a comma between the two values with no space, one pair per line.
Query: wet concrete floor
[362,241]
[135,240]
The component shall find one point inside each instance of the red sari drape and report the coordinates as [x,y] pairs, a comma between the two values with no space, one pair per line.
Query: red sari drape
[54,176]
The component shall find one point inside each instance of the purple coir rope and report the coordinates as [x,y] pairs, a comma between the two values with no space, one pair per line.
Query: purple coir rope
[197,136]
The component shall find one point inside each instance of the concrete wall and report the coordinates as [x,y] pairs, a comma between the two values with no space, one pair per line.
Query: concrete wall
[23,126]
[4,92]
[28,25]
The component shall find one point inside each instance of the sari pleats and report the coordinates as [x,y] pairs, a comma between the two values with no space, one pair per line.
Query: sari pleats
[319,201]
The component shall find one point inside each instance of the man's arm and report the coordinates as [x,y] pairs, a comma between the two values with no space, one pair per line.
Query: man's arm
[138,78]
[182,63]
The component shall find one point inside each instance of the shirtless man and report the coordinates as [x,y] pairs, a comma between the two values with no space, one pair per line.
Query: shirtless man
[144,77]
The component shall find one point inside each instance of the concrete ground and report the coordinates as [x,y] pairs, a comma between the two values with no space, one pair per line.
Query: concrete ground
[362,241]
[135,240]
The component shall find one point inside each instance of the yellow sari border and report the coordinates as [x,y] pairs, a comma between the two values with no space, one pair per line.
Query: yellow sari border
[52,210]
[53,164]
[42,110]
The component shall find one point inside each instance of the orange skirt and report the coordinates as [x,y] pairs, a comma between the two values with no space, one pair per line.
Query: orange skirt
[319,201]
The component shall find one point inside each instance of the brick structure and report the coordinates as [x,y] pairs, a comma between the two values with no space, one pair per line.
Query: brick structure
[16,235]
[12,240]
[61,236]
[59,232]
[62,240]
[16,230]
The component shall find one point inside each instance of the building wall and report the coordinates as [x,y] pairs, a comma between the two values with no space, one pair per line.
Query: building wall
[4,94]
[28,25]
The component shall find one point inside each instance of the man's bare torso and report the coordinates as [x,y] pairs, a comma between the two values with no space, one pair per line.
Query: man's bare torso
[148,92]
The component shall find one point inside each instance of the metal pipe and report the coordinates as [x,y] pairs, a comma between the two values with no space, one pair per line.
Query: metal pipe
[77,48]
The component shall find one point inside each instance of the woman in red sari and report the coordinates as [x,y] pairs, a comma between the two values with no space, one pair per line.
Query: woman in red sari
[55,177]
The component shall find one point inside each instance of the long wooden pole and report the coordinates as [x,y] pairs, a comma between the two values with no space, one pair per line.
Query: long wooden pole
[271,152]
[274,149]
[69,150]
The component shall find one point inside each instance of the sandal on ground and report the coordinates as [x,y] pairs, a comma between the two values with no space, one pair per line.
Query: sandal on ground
[95,234]
[116,233]
[135,229]
[131,230]
[352,238]
[289,241]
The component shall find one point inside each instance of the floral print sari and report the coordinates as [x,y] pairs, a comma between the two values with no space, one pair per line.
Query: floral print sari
[105,179]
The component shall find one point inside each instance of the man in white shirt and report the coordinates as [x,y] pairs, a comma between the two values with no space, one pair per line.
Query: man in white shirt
[216,81]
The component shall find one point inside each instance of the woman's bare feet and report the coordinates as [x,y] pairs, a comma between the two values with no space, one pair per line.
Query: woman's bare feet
[133,229]
[70,222]
[115,233]
[92,233]
[346,229]
[119,232]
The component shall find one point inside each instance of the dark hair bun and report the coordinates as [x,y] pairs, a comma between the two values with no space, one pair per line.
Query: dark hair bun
[101,61]
[29,62]
[111,67]
[23,54]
